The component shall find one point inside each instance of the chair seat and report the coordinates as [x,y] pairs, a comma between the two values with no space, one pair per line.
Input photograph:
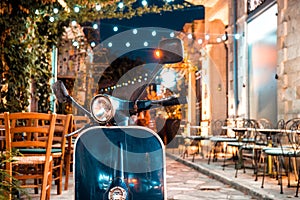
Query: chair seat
[29,159]
[281,151]
[38,151]
[235,144]
[222,139]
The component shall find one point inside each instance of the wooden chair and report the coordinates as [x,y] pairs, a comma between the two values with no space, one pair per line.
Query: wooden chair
[77,123]
[2,133]
[63,122]
[33,170]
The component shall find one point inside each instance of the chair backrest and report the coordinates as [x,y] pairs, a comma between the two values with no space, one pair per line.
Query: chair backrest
[22,129]
[217,127]
[62,128]
[79,121]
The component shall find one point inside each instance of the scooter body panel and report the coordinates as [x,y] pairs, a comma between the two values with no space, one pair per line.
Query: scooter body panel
[95,157]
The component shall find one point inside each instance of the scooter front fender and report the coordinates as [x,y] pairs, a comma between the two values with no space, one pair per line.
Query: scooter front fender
[95,154]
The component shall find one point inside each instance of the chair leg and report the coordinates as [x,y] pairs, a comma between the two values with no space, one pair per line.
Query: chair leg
[264,173]
[298,183]
[280,176]
[68,163]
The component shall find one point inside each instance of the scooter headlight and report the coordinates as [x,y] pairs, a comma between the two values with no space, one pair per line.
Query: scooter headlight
[102,109]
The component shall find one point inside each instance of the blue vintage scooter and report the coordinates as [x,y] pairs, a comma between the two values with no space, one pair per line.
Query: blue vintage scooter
[114,161]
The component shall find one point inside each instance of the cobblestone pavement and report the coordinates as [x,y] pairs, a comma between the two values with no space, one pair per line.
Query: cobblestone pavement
[186,183]
[183,183]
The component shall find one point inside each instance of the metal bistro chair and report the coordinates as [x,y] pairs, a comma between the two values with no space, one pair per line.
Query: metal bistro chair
[286,148]
[32,170]
[219,140]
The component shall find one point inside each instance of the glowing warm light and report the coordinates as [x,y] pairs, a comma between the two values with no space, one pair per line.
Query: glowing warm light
[109,44]
[127,44]
[146,44]
[157,53]
[93,44]
[153,33]
[51,19]
[219,40]
[172,34]
[200,41]
[134,31]
[190,36]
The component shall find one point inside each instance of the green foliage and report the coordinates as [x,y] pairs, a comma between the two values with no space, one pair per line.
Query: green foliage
[27,36]
[5,185]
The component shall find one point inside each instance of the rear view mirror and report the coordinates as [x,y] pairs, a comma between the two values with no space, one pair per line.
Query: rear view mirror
[170,51]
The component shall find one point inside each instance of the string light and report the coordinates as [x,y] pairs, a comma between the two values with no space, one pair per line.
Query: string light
[95,26]
[121,5]
[207,37]
[93,44]
[144,3]
[98,7]
[146,43]
[115,28]
[134,31]
[153,33]
[51,19]
[76,9]
[127,44]
[73,23]
[55,10]
[109,44]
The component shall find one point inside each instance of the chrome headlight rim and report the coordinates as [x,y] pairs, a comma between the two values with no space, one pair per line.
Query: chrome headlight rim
[110,113]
